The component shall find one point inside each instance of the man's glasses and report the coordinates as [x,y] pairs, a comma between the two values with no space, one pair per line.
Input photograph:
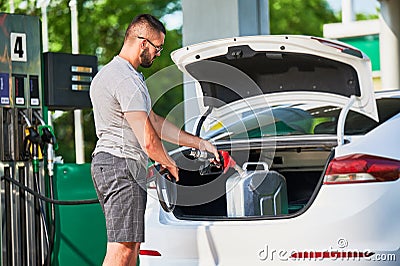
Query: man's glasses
[158,48]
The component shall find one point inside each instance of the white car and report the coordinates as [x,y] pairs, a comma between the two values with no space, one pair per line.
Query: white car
[304,109]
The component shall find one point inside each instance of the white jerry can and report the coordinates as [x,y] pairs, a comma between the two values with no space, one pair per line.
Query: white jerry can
[256,193]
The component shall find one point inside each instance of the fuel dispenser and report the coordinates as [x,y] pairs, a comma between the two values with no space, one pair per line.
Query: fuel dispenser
[20,106]
[31,83]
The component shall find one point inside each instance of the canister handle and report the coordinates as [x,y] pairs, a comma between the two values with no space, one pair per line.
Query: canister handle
[264,164]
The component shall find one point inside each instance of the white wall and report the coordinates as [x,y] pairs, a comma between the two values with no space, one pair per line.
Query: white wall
[205,20]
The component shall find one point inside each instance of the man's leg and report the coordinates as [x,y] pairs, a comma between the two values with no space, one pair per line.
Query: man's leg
[121,254]
[121,187]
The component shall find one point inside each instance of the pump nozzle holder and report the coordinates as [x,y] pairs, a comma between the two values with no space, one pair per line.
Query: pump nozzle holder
[47,135]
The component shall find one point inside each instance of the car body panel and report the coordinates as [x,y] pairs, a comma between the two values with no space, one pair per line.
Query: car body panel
[362,225]
[372,143]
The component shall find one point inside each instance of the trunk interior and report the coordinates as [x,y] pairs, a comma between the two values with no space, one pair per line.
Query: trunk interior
[202,195]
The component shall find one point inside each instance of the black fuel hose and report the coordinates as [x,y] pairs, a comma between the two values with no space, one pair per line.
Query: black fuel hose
[49,200]
[202,119]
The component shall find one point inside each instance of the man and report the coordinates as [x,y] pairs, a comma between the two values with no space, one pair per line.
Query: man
[128,133]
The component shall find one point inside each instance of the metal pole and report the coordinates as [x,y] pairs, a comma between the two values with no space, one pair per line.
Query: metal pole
[79,144]
[389,44]
[347,11]
[12,9]
[43,4]
[74,26]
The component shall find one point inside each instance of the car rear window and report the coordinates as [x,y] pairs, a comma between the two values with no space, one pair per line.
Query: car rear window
[304,120]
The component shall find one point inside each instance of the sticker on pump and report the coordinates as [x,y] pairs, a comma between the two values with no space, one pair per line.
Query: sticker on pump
[4,89]
[18,46]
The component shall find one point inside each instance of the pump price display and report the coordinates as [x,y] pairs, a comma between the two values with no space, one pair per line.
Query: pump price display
[34,90]
[18,46]
[19,89]
[4,88]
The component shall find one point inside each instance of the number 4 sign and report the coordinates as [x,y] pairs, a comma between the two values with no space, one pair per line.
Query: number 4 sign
[18,46]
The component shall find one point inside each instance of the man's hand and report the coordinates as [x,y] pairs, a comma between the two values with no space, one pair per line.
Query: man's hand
[205,145]
[169,132]
[174,171]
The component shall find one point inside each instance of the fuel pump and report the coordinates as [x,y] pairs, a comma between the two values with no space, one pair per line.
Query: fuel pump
[26,236]
[20,97]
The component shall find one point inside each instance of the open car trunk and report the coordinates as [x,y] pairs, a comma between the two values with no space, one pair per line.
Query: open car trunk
[202,195]
[264,88]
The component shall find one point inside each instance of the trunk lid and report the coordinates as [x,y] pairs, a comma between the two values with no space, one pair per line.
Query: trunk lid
[282,68]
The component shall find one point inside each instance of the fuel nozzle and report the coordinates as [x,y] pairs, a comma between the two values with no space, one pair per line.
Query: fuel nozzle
[201,155]
[228,162]
[31,138]
[209,164]
[45,131]
[47,135]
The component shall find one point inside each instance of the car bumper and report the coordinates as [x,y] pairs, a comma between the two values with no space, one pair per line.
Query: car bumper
[354,218]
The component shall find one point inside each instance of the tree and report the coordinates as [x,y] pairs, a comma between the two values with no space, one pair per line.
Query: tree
[305,17]
[102,24]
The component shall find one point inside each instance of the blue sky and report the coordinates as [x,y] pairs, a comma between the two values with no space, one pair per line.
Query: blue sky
[360,6]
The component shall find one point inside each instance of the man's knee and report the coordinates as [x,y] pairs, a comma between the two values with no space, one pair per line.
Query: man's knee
[124,251]
[131,246]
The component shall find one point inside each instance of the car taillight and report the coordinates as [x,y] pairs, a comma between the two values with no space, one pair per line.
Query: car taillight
[340,46]
[361,168]
[147,252]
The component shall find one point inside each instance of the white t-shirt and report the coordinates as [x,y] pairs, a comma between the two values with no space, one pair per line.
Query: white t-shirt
[116,89]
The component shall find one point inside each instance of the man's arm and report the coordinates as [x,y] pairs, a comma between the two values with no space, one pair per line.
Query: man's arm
[150,141]
[171,133]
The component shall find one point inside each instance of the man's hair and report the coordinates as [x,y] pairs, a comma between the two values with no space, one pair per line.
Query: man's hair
[144,22]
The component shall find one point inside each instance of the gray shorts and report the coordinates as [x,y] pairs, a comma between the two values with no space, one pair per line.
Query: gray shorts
[121,188]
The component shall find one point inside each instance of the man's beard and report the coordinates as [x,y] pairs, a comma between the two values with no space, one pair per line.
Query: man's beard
[147,61]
